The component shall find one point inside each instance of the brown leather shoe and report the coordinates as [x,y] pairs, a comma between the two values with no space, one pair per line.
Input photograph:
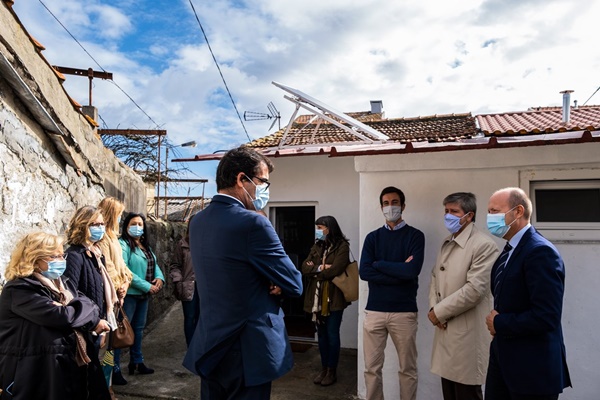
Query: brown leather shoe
[330,377]
[319,378]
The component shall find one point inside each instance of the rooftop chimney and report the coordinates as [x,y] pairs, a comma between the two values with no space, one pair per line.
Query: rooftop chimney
[566,106]
[376,106]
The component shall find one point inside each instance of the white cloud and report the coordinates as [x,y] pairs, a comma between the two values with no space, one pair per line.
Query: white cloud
[420,58]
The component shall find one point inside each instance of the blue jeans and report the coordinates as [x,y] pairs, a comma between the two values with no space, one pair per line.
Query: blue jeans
[328,332]
[137,310]
[191,312]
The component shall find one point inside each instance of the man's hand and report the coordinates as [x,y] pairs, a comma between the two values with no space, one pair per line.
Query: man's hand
[274,290]
[434,320]
[489,321]
[409,259]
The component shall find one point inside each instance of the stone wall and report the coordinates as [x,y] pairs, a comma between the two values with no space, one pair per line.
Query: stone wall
[164,237]
[52,160]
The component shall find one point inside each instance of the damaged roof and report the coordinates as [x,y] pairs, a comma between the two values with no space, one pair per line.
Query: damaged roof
[433,129]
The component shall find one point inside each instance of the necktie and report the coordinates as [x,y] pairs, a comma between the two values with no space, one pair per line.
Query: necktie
[501,265]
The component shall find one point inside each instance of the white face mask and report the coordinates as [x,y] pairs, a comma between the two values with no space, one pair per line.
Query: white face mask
[392,213]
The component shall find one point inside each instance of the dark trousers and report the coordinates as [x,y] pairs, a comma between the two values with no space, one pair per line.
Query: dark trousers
[458,391]
[226,382]
[328,333]
[495,387]
[191,311]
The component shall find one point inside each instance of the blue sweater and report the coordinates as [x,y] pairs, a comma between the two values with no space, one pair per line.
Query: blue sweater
[393,283]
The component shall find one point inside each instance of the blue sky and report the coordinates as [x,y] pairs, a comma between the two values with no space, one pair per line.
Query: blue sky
[419,58]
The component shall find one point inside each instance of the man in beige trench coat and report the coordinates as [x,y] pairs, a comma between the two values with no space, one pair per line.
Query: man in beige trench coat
[460,299]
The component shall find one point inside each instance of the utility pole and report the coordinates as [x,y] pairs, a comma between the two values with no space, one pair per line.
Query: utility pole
[90,73]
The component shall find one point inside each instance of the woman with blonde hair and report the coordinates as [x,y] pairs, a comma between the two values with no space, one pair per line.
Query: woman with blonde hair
[45,325]
[86,264]
[118,272]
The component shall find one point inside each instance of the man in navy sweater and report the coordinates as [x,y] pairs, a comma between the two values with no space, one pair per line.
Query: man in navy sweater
[391,261]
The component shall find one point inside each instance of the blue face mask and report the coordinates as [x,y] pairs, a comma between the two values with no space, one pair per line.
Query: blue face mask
[55,269]
[96,233]
[319,235]
[135,231]
[261,195]
[452,222]
[496,223]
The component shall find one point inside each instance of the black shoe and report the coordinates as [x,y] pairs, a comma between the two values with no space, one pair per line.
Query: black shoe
[117,378]
[141,368]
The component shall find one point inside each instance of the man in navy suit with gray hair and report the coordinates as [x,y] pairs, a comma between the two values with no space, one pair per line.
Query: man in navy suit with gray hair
[240,343]
[527,353]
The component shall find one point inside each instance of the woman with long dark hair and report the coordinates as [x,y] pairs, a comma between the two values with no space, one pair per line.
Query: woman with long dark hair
[328,258]
[147,280]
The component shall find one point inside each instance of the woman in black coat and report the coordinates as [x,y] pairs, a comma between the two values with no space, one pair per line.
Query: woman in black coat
[45,328]
[85,265]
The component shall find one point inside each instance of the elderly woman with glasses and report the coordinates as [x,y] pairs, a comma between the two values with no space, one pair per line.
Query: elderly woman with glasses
[86,264]
[45,326]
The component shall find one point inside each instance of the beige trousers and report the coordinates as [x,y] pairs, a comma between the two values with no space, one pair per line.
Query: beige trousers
[402,327]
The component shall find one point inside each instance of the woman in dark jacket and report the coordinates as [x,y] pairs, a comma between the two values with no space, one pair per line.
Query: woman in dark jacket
[45,325]
[328,258]
[182,274]
[85,264]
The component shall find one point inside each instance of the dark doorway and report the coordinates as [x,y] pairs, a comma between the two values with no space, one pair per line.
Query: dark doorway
[296,229]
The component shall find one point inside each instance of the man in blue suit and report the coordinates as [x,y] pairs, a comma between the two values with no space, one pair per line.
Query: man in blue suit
[527,354]
[240,344]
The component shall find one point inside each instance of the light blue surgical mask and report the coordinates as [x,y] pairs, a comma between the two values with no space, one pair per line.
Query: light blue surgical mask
[496,223]
[261,195]
[96,233]
[319,235]
[135,231]
[55,269]
[452,222]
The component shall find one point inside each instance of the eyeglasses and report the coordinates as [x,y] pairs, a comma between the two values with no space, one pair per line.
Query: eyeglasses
[263,180]
[97,224]
[58,256]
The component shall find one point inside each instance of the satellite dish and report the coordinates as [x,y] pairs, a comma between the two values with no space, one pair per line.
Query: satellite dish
[258,116]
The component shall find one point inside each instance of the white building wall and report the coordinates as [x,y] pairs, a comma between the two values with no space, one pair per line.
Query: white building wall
[331,185]
[426,179]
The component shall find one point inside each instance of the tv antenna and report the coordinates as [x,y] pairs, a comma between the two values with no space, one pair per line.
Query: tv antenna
[258,116]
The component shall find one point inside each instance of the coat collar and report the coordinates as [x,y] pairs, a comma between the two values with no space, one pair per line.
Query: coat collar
[464,236]
[227,199]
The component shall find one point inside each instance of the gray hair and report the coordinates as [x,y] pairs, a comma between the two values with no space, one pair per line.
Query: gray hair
[467,201]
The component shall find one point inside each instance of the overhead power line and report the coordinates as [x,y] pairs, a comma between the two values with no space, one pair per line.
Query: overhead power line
[591,96]
[219,68]
[98,64]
